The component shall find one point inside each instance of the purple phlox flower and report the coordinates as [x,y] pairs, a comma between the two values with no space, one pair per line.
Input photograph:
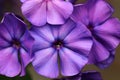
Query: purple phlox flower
[15,46]
[104,29]
[88,75]
[67,45]
[40,12]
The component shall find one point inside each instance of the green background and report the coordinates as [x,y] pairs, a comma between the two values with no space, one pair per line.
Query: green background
[110,73]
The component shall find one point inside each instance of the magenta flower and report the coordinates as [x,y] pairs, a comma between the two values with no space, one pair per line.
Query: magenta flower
[68,44]
[105,30]
[40,12]
[15,46]
[88,75]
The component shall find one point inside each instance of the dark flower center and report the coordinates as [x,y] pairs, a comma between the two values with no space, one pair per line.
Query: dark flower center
[16,43]
[58,44]
[90,27]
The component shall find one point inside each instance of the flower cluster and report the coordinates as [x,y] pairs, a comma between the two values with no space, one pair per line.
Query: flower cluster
[63,38]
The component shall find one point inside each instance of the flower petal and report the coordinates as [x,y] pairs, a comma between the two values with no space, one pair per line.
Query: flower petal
[45,63]
[109,33]
[9,63]
[45,32]
[65,29]
[83,46]
[5,37]
[58,11]
[25,60]
[42,37]
[106,63]
[99,11]
[80,14]
[15,26]
[71,62]
[4,33]
[27,41]
[98,53]
[35,11]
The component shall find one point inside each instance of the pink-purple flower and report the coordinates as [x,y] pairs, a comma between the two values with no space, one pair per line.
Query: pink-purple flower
[40,12]
[15,46]
[104,29]
[60,49]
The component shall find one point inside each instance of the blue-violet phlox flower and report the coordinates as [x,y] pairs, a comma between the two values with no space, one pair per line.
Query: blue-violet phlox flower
[67,45]
[104,29]
[15,46]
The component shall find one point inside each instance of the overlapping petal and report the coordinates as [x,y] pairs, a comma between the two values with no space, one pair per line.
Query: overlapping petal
[80,14]
[27,41]
[98,53]
[26,58]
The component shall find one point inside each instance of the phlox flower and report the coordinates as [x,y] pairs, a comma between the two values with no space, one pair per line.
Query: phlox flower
[104,29]
[60,49]
[15,46]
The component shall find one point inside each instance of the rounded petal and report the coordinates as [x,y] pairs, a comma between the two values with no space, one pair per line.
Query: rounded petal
[58,11]
[109,33]
[35,11]
[106,63]
[80,14]
[45,32]
[99,55]
[9,62]
[66,28]
[71,62]
[99,11]
[45,62]
[43,37]
[14,25]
